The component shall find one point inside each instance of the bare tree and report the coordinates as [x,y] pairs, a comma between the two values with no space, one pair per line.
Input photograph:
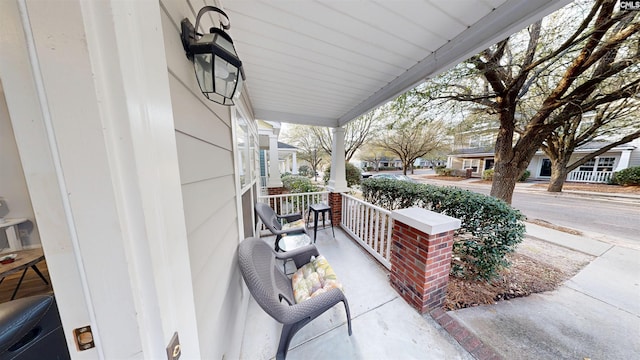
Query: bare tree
[609,122]
[373,154]
[357,132]
[412,140]
[309,147]
[575,61]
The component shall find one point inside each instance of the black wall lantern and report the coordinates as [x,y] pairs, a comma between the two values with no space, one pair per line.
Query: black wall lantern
[216,63]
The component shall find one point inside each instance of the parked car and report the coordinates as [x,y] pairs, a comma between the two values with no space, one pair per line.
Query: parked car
[393,177]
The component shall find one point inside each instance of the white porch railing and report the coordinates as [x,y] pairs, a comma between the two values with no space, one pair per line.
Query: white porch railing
[286,204]
[370,225]
[298,203]
[590,176]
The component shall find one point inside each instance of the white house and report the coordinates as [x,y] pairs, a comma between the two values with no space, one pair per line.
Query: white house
[597,170]
[142,189]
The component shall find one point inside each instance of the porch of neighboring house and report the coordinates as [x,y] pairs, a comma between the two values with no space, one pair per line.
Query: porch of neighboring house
[384,325]
[478,161]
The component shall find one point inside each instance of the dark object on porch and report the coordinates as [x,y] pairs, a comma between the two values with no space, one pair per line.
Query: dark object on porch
[273,222]
[30,328]
[269,286]
[318,209]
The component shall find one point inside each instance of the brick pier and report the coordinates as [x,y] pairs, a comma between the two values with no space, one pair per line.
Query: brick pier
[422,242]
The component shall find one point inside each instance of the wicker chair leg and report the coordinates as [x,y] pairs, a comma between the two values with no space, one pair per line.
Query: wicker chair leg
[288,331]
[346,308]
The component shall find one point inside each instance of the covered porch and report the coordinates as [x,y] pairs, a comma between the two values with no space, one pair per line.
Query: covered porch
[384,325]
[130,168]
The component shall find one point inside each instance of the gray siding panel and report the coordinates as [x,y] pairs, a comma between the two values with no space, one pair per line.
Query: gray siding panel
[205,154]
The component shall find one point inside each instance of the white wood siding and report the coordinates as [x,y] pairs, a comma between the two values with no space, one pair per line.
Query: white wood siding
[205,154]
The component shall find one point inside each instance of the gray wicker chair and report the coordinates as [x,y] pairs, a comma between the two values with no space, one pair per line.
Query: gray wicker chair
[269,286]
[273,222]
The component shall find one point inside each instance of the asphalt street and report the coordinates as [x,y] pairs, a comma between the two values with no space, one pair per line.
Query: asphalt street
[607,218]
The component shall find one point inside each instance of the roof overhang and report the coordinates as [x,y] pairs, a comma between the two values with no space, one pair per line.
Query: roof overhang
[327,62]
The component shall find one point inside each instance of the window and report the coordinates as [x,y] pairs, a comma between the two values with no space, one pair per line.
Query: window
[471,164]
[588,166]
[247,150]
[606,163]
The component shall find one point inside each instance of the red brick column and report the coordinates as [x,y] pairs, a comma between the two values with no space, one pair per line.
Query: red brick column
[422,242]
[275,191]
[335,202]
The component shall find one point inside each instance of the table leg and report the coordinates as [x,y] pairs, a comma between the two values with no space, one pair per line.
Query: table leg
[331,218]
[19,283]
[315,225]
[39,274]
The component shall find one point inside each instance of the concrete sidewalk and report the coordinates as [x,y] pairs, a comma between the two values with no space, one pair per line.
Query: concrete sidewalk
[595,315]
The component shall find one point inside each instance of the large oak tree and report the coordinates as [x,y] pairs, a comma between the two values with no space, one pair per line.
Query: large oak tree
[573,62]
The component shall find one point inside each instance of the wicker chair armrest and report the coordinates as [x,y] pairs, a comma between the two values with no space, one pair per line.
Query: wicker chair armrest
[313,307]
[290,217]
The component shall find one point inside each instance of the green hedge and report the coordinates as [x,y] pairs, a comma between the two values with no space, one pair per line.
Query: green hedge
[487,174]
[628,176]
[298,184]
[490,227]
[353,174]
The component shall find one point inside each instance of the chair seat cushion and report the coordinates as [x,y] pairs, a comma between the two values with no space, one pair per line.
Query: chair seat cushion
[294,224]
[313,279]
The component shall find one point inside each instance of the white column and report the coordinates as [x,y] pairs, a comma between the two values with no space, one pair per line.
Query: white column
[623,163]
[594,172]
[338,179]
[274,163]
[294,171]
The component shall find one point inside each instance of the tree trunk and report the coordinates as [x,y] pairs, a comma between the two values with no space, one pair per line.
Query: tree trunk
[558,175]
[505,176]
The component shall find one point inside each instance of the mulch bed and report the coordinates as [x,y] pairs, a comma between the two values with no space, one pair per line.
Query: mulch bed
[525,277]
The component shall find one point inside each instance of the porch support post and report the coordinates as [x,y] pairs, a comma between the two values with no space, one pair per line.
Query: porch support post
[274,163]
[338,178]
[623,163]
[294,171]
[422,243]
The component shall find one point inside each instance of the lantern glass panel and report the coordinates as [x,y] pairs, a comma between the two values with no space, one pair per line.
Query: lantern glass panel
[225,77]
[225,44]
[202,65]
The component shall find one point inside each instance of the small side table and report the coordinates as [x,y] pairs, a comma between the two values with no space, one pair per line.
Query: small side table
[317,209]
[290,242]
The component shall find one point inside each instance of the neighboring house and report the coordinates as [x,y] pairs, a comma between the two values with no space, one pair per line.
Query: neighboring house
[597,170]
[270,147]
[288,157]
[142,189]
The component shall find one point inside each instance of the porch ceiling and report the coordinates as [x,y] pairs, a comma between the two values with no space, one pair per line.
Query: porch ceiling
[327,62]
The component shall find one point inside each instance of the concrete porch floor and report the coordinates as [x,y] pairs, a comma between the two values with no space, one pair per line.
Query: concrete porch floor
[384,325]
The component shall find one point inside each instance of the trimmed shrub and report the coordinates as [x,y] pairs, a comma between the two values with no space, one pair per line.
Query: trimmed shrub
[298,184]
[353,174]
[305,170]
[628,176]
[490,227]
[487,174]
[525,175]
[445,171]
